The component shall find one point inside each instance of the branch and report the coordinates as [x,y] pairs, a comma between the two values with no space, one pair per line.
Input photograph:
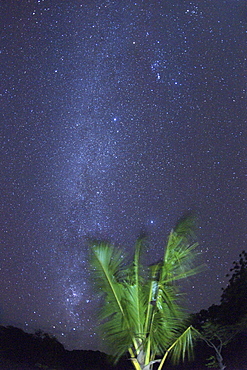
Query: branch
[150,363]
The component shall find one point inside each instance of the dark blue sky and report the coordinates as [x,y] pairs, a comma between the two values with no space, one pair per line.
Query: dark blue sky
[117,116]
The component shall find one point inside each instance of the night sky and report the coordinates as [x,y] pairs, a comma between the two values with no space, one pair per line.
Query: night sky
[117,116]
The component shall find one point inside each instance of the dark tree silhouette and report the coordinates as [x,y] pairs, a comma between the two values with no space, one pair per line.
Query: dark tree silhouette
[223,323]
[234,297]
[233,304]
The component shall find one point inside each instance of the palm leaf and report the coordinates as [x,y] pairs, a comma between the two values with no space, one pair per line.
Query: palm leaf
[181,346]
[134,288]
[107,264]
[118,314]
[164,315]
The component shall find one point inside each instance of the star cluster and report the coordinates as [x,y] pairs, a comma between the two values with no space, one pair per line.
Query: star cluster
[118,116]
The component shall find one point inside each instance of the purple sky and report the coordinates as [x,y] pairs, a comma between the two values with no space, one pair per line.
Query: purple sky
[117,116]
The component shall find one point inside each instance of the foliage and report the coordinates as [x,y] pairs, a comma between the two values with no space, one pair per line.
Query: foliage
[234,297]
[141,311]
[218,336]
[211,362]
[220,324]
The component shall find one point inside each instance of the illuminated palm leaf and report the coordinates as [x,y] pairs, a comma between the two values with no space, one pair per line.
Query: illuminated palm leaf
[141,313]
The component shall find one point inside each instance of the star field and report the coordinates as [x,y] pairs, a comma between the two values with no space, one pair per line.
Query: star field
[117,117]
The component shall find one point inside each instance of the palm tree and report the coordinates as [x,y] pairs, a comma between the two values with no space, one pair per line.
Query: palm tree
[141,311]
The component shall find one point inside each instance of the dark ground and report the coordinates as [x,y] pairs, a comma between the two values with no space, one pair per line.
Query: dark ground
[22,351]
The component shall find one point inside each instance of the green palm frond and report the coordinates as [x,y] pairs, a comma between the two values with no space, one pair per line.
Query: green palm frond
[186,226]
[181,346]
[118,314]
[134,287]
[107,261]
[180,252]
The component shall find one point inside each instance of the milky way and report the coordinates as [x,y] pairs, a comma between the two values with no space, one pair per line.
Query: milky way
[118,117]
